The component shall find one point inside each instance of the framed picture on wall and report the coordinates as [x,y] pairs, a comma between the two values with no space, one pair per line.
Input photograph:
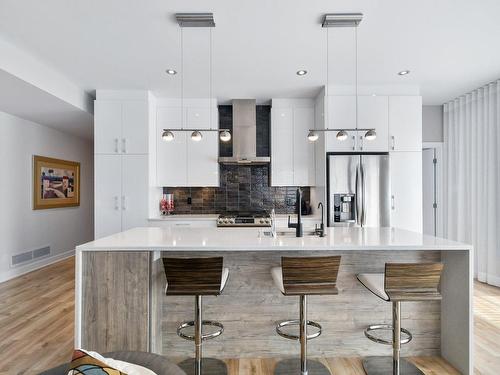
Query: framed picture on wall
[56,183]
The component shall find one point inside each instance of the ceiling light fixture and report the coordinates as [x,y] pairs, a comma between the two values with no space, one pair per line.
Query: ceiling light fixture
[312,136]
[167,135]
[225,135]
[301,72]
[341,20]
[172,72]
[196,136]
[403,72]
[342,135]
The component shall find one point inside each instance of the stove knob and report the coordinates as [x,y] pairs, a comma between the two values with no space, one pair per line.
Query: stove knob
[262,221]
[219,221]
[231,221]
[268,221]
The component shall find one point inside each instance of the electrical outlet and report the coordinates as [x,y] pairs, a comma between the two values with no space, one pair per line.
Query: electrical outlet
[189,200]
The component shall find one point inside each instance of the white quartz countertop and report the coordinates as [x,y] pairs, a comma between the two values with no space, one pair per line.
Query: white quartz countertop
[253,239]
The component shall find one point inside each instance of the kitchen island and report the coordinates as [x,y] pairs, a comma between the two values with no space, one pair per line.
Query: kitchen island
[121,302]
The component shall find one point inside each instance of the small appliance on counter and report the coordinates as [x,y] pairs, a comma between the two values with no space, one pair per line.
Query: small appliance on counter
[167,204]
[245,219]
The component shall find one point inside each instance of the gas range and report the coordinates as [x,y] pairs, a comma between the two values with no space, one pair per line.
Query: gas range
[245,219]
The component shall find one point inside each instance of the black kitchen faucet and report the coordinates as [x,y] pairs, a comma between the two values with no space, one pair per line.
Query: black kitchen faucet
[298,208]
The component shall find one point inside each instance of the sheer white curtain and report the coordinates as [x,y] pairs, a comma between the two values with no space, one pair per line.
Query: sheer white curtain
[472,176]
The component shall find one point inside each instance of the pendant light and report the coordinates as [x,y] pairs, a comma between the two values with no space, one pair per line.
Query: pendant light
[194,20]
[341,20]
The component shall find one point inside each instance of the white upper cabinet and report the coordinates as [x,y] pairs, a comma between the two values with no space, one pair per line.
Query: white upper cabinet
[341,114]
[135,127]
[107,127]
[171,160]
[406,190]
[182,161]
[373,113]
[304,172]
[281,146]
[292,155]
[121,127]
[202,163]
[405,123]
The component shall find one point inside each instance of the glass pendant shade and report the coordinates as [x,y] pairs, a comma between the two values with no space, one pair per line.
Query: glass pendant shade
[342,135]
[167,136]
[312,136]
[370,135]
[196,136]
[225,136]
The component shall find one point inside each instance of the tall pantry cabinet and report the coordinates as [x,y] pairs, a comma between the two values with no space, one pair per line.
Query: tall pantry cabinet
[121,123]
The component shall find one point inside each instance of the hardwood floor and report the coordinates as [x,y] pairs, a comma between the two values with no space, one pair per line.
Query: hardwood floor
[37,323]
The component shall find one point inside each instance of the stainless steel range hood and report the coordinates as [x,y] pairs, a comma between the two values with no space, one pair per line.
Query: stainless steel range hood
[244,135]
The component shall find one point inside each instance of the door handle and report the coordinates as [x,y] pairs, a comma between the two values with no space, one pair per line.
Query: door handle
[124,207]
[116,145]
[358,213]
[392,202]
[361,142]
[393,139]
[124,145]
[363,203]
[354,143]
[116,203]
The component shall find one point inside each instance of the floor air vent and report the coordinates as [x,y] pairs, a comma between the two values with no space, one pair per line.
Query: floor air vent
[30,256]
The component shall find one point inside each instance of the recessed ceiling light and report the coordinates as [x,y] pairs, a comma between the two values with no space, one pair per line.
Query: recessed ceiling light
[301,72]
[171,72]
[404,72]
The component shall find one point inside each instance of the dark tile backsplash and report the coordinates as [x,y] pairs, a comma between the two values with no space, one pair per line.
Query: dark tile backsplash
[241,188]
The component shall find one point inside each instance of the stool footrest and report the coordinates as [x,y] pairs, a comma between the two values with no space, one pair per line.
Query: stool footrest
[386,327]
[296,322]
[206,336]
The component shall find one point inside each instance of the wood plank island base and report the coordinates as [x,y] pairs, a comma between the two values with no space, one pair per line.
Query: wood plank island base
[250,305]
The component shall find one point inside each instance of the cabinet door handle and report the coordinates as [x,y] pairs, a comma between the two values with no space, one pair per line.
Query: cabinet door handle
[124,145]
[116,145]
[116,203]
[353,142]
[393,143]
[124,201]
[392,202]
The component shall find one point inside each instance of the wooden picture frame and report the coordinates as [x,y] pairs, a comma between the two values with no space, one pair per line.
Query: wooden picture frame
[56,183]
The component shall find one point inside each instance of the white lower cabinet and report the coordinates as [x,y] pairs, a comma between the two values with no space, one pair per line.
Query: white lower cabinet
[121,193]
[406,190]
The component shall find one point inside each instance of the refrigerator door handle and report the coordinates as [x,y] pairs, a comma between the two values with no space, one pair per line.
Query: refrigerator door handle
[363,201]
[357,192]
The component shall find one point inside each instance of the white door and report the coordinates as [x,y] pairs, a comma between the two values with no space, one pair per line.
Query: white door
[134,127]
[341,114]
[134,199]
[405,123]
[282,146]
[107,127]
[429,192]
[107,209]
[171,160]
[373,112]
[303,150]
[202,163]
[406,190]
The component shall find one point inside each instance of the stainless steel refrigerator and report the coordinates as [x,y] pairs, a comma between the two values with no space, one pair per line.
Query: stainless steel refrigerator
[358,190]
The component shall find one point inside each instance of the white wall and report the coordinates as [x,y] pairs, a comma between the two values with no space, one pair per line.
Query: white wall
[432,123]
[22,228]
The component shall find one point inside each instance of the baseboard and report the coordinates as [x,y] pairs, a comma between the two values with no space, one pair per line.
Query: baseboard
[488,279]
[21,270]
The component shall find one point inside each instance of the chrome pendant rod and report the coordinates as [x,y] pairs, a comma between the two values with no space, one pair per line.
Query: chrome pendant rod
[192,130]
[339,129]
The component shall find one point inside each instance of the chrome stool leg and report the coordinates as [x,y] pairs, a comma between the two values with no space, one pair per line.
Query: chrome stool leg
[388,365]
[304,367]
[200,365]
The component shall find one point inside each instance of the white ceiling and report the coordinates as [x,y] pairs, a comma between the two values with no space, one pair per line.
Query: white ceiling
[450,46]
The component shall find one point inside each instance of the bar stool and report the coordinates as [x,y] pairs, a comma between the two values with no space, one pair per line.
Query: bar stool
[401,282]
[302,277]
[197,277]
